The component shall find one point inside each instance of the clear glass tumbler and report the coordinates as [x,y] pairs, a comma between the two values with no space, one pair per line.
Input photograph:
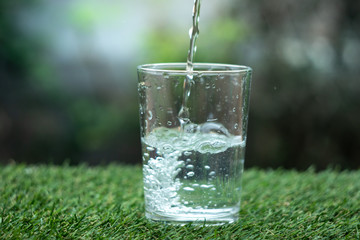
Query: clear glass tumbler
[192,172]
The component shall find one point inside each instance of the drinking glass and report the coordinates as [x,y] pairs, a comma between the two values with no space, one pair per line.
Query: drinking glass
[192,172]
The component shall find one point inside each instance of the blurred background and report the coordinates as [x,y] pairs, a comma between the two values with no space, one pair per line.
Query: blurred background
[68,83]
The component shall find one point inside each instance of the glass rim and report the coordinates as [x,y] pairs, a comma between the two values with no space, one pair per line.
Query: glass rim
[171,68]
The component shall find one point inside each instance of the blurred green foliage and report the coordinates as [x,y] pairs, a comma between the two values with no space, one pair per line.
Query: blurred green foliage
[305,91]
[164,45]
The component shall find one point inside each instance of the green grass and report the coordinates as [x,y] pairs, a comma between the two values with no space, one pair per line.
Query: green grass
[42,202]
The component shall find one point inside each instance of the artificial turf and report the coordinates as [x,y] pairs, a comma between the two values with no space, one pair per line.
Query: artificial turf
[42,202]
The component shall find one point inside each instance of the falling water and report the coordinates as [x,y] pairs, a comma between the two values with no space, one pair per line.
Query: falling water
[194,33]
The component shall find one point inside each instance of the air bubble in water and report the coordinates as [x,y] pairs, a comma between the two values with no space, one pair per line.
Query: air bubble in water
[187,153]
[167,148]
[150,148]
[190,167]
[160,159]
[191,128]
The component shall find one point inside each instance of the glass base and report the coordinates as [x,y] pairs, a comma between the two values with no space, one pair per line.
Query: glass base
[201,217]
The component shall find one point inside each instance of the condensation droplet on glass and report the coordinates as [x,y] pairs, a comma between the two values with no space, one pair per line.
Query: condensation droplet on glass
[190,174]
[234,110]
[169,123]
[236,126]
[218,107]
[150,115]
[207,167]
[212,173]
[158,88]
